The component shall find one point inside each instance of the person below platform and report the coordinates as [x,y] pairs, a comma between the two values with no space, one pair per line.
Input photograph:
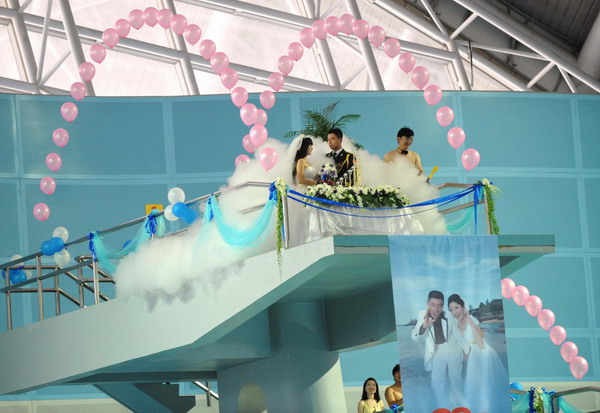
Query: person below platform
[405,138]
[393,394]
[370,401]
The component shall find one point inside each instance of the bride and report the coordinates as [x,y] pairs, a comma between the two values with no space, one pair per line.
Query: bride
[302,172]
[483,363]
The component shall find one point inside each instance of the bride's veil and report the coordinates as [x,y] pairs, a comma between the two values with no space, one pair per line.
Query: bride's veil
[291,150]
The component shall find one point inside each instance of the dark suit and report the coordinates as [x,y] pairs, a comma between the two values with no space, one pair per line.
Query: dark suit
[343,161]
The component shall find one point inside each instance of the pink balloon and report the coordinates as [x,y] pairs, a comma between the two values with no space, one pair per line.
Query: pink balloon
[420,76]
[110,37]
[219,62]
[295,51]
[332,25]
[60,137]
[444,115]
[432,94]
[53,161]
[258,135]
[267,99]
[248,113]
[557,335]
[307,38]
[546,318]
[456,136]
[47,185]
[229,77]
[78,91]
[391,47]
[69,111]
[98,53]
[122,27]
[376,35]
[192,33]
[285,64]
[579,367]
[136,18]
[346,22]
[406,61]
[568,351]
[41,212]
[261,117]
[87,71]
[241,159]
[533,305]
[239,96]
[164,18]
[268,158]
[248,145]
[508,287]
[151,16]
[520,295]
[207,48]
[276,81]
[360,28]
[178,23]
[318,29]
[470,158]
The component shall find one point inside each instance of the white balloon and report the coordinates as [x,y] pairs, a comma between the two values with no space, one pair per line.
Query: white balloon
[169,213]
[176,195]
[15,257]
[28,274]
[62,258]
[61,232]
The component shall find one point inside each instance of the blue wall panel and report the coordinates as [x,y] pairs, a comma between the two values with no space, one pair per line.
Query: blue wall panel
[109,137]
[595,281]
[592,201]
[10,232]
[535,205]
[517,131]
[589,115]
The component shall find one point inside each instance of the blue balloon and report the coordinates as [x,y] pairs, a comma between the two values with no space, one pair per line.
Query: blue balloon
[46,248]
[17,276]
[179,209]
[516,386]
[190,216]
[126,243]
[57,244]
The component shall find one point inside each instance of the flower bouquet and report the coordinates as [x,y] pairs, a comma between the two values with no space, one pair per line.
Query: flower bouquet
[328,174]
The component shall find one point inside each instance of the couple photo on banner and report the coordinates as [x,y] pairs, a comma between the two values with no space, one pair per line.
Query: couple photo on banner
[450,325]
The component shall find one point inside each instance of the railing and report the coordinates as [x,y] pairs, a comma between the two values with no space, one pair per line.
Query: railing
[85,262]
[558,394]
[209,393]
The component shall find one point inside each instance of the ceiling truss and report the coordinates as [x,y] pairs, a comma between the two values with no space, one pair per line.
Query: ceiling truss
[458,47]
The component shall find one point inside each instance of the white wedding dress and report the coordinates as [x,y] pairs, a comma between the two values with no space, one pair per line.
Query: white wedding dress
[486,380]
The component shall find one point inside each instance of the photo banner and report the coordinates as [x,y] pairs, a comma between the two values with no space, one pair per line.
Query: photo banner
[450,323]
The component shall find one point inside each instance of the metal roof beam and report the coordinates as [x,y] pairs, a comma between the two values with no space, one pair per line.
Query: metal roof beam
[24,52]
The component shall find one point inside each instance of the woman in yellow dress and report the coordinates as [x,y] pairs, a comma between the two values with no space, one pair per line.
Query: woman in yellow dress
[370,401]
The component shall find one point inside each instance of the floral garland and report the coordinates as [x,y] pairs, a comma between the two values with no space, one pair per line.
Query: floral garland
[365,197]
[281,187]
[490,191]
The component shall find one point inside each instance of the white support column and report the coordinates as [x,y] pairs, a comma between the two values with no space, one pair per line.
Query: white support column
[328,63]
[24,52]
[189,80]
[44,41]
[366,50]
[73,38]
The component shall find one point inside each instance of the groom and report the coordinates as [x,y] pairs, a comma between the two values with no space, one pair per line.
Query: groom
[344,161]
[442,352]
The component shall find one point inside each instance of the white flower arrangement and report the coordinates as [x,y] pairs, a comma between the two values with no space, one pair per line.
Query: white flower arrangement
[383,196]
